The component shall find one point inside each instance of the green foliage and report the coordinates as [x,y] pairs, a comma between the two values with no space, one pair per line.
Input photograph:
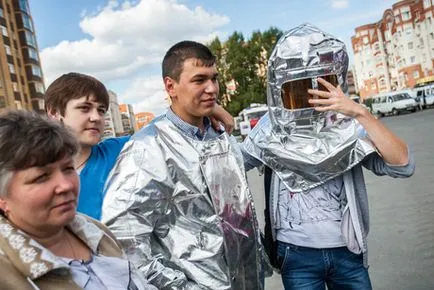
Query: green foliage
[368,102]
[245,62]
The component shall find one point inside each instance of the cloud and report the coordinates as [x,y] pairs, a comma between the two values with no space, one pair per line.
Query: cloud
[125,38]
[340,4]
[147,94]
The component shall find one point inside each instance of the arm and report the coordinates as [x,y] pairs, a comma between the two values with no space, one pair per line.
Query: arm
[392,149]
[134,208]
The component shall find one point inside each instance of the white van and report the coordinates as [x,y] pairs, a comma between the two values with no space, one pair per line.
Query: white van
[393,103]
[426,95]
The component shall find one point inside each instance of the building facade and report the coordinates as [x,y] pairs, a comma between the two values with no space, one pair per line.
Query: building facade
[21,78]
[143,118]
[397,52]
[128,119]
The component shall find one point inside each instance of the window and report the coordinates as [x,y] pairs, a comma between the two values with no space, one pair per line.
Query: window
[410,45]
[8,50]
[15,86]
[36,70]
[429,20]
[4,31]
[11,68]
[24,6]
[30,38]
[33,54]
[405,15]
[416,74]
[412,59]
[1,13]
[426,3]
[18,105]
[39,87]
[27,22]
[431,35]
[408,30]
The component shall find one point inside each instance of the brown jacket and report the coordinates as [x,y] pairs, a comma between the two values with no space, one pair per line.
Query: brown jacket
[26,265]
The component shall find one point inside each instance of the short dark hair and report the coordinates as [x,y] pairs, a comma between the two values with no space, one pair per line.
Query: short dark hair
[175,57]
[73,86]
[28,139]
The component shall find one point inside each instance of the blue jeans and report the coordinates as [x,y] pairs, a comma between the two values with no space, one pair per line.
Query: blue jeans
[312,269]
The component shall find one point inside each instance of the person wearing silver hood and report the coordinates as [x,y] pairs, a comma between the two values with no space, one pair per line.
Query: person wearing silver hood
[177,198]
[315,141]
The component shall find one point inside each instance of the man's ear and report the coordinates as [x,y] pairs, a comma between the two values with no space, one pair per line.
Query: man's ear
[3,206]
[53,114]
[170,86]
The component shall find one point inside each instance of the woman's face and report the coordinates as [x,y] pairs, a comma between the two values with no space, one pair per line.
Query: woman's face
[41,200]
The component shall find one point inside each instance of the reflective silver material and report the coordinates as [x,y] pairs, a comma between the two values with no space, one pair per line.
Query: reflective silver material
[183,210]
[305,147]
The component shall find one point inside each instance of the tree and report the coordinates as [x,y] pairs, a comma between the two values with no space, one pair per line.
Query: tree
[244,63]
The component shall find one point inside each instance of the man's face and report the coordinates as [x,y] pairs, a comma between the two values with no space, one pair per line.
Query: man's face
[85,117]
[195,94]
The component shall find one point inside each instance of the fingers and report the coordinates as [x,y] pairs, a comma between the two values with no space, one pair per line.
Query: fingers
[319,93]
[322,102]
[215,124]
[326,84]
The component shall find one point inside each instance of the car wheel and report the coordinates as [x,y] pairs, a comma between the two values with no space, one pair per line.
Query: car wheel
[394,112]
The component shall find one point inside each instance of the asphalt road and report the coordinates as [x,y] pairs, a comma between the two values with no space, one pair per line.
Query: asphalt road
[401,238]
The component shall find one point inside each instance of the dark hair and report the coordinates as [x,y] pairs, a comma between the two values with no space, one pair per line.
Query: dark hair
[175,57]
[73,86]
[28,139]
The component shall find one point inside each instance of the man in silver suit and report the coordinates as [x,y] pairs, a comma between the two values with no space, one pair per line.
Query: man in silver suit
[178,198]
[314,141]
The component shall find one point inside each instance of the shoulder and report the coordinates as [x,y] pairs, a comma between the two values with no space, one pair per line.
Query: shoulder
[114,142]
[11,278]
[109,237]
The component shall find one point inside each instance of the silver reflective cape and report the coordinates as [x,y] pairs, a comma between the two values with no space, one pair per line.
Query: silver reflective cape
[183,210]
[306,148]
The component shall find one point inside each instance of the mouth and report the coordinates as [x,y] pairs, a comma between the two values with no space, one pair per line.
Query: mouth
[94,130]
[71,202]
[208,101]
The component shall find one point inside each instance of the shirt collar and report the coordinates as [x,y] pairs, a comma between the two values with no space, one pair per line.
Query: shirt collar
[187,128]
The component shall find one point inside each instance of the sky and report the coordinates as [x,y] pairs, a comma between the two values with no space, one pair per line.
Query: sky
[122,43]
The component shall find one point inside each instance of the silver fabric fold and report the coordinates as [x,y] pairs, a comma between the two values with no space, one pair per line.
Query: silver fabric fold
[183,210]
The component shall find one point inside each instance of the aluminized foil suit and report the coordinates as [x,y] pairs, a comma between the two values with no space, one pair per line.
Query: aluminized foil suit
[183,211]
[304,147]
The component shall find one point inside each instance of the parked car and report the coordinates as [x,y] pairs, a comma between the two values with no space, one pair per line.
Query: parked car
[393,103]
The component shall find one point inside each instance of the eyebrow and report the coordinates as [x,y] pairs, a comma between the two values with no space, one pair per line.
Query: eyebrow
[205,76]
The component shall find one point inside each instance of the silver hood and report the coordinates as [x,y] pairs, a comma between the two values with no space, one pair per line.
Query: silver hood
[306,148]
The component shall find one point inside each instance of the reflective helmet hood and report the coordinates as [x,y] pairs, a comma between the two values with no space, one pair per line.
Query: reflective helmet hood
[304,52]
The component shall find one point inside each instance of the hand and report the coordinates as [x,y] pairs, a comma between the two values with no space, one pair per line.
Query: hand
[335,100]
[222,116]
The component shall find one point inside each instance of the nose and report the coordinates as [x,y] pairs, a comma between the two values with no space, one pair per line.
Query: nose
[65,182]
[212,87]
[95,116]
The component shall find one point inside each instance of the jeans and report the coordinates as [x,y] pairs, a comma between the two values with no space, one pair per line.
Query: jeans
[312,269]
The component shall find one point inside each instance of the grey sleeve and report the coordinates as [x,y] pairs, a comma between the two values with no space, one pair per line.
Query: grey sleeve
[375,163]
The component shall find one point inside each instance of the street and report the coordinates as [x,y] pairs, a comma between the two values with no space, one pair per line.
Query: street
[401,238]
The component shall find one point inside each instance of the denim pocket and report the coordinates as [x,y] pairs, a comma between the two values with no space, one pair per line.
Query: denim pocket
[282,255]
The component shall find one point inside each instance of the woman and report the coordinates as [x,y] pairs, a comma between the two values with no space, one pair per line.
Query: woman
[44,243]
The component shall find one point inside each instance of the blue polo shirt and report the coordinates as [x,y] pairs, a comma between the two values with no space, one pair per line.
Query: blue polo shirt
[94,175]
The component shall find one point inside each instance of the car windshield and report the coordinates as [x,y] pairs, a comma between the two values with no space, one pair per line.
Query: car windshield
[401,97]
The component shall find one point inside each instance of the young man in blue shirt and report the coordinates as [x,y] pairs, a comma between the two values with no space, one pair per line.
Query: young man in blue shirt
[80,102]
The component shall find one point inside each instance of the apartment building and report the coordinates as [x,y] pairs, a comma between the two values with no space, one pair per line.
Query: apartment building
[397,51]
[21,78]
[128,118]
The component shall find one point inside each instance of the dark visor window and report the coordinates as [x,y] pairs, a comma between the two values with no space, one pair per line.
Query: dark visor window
[294,93]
